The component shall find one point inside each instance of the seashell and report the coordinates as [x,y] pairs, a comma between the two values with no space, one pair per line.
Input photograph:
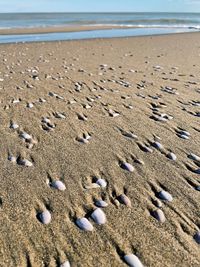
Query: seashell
[101,203]
[45,217]
[164,195]
[14,126]
[158,145]
[183,136]
[194,157]
[185,133]
[83,140]
[127,166]
[65,264]
[84,224]
[157,203]
[197,237]
[98,216]
[101,182]
[60,116]
[92,186]
[132,260]
[125,200]
[58,185]
[147,149]
[171,156]
[159,215]
[25,162]
[25,136]
[197,188]
[130,135]
[30,105]
[12,158]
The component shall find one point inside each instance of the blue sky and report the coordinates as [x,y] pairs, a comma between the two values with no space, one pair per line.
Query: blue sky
[99,5]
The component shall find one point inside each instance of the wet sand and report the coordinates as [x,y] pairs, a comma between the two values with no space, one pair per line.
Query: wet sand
[100,152]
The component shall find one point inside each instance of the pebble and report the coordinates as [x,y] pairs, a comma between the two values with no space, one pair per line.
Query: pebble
[197,237]
[45,217]
[101,203]
[132,260]
[84,224]
[127,166]
[171,156]
[159,215]
[58,185]
[164,195]
[125,200]
[101,182]
[65,264]
[98,216]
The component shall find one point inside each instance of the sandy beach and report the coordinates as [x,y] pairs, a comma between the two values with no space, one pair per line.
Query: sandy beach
[100,158]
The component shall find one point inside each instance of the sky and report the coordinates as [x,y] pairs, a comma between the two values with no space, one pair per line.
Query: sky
[99,6]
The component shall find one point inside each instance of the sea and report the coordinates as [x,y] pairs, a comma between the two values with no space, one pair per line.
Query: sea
[143,23]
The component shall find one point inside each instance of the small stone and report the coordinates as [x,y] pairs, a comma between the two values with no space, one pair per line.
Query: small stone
[101,203]
[125,200]
[127,166]
[197,237]
[159,215]
[84,224]
[98,216]
[65,264]
[132,260]
[58,185]
[171,156]
[164,195]
[45,217]
[101,182]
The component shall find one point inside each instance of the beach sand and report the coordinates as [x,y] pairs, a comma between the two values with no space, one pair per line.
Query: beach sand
[109,123]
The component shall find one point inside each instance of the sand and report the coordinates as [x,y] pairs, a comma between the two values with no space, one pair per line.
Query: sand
[106,123]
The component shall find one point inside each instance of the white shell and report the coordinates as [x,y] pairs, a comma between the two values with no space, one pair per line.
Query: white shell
[197,237]
[58,185]
[99,216]
[101,203]
[101,182]
[159,215]
[26,136]
[164,195]
[132,260]
[45,217]
[12,158]
[84,224]
[65,264]
[171,156]
[125,200]
[30,105]
[127,166]
[185,133]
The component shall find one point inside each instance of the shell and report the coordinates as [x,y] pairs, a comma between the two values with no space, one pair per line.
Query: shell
[127,166]
[125,200]
[197,237]
[158,145]
[132,260]
[26,136]
[171,156]
[98,216]
[14,125]
[65,264]
[30,105]
[58,185]
[194,157]
[101,203]
[45,217]
[12,158]
[101,182]
[164,195]
[84,224]
[159,215]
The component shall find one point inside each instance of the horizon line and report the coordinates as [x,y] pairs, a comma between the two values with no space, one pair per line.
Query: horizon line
[95,12]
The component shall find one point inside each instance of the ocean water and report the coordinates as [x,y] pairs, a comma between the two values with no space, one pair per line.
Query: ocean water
[144,23]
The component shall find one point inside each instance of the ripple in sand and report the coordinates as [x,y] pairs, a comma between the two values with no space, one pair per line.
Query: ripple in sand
[127,166]
[84,224]
[45,217]
[58,185]
[132,260]
[98,216]
[159,215]
[164,195]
